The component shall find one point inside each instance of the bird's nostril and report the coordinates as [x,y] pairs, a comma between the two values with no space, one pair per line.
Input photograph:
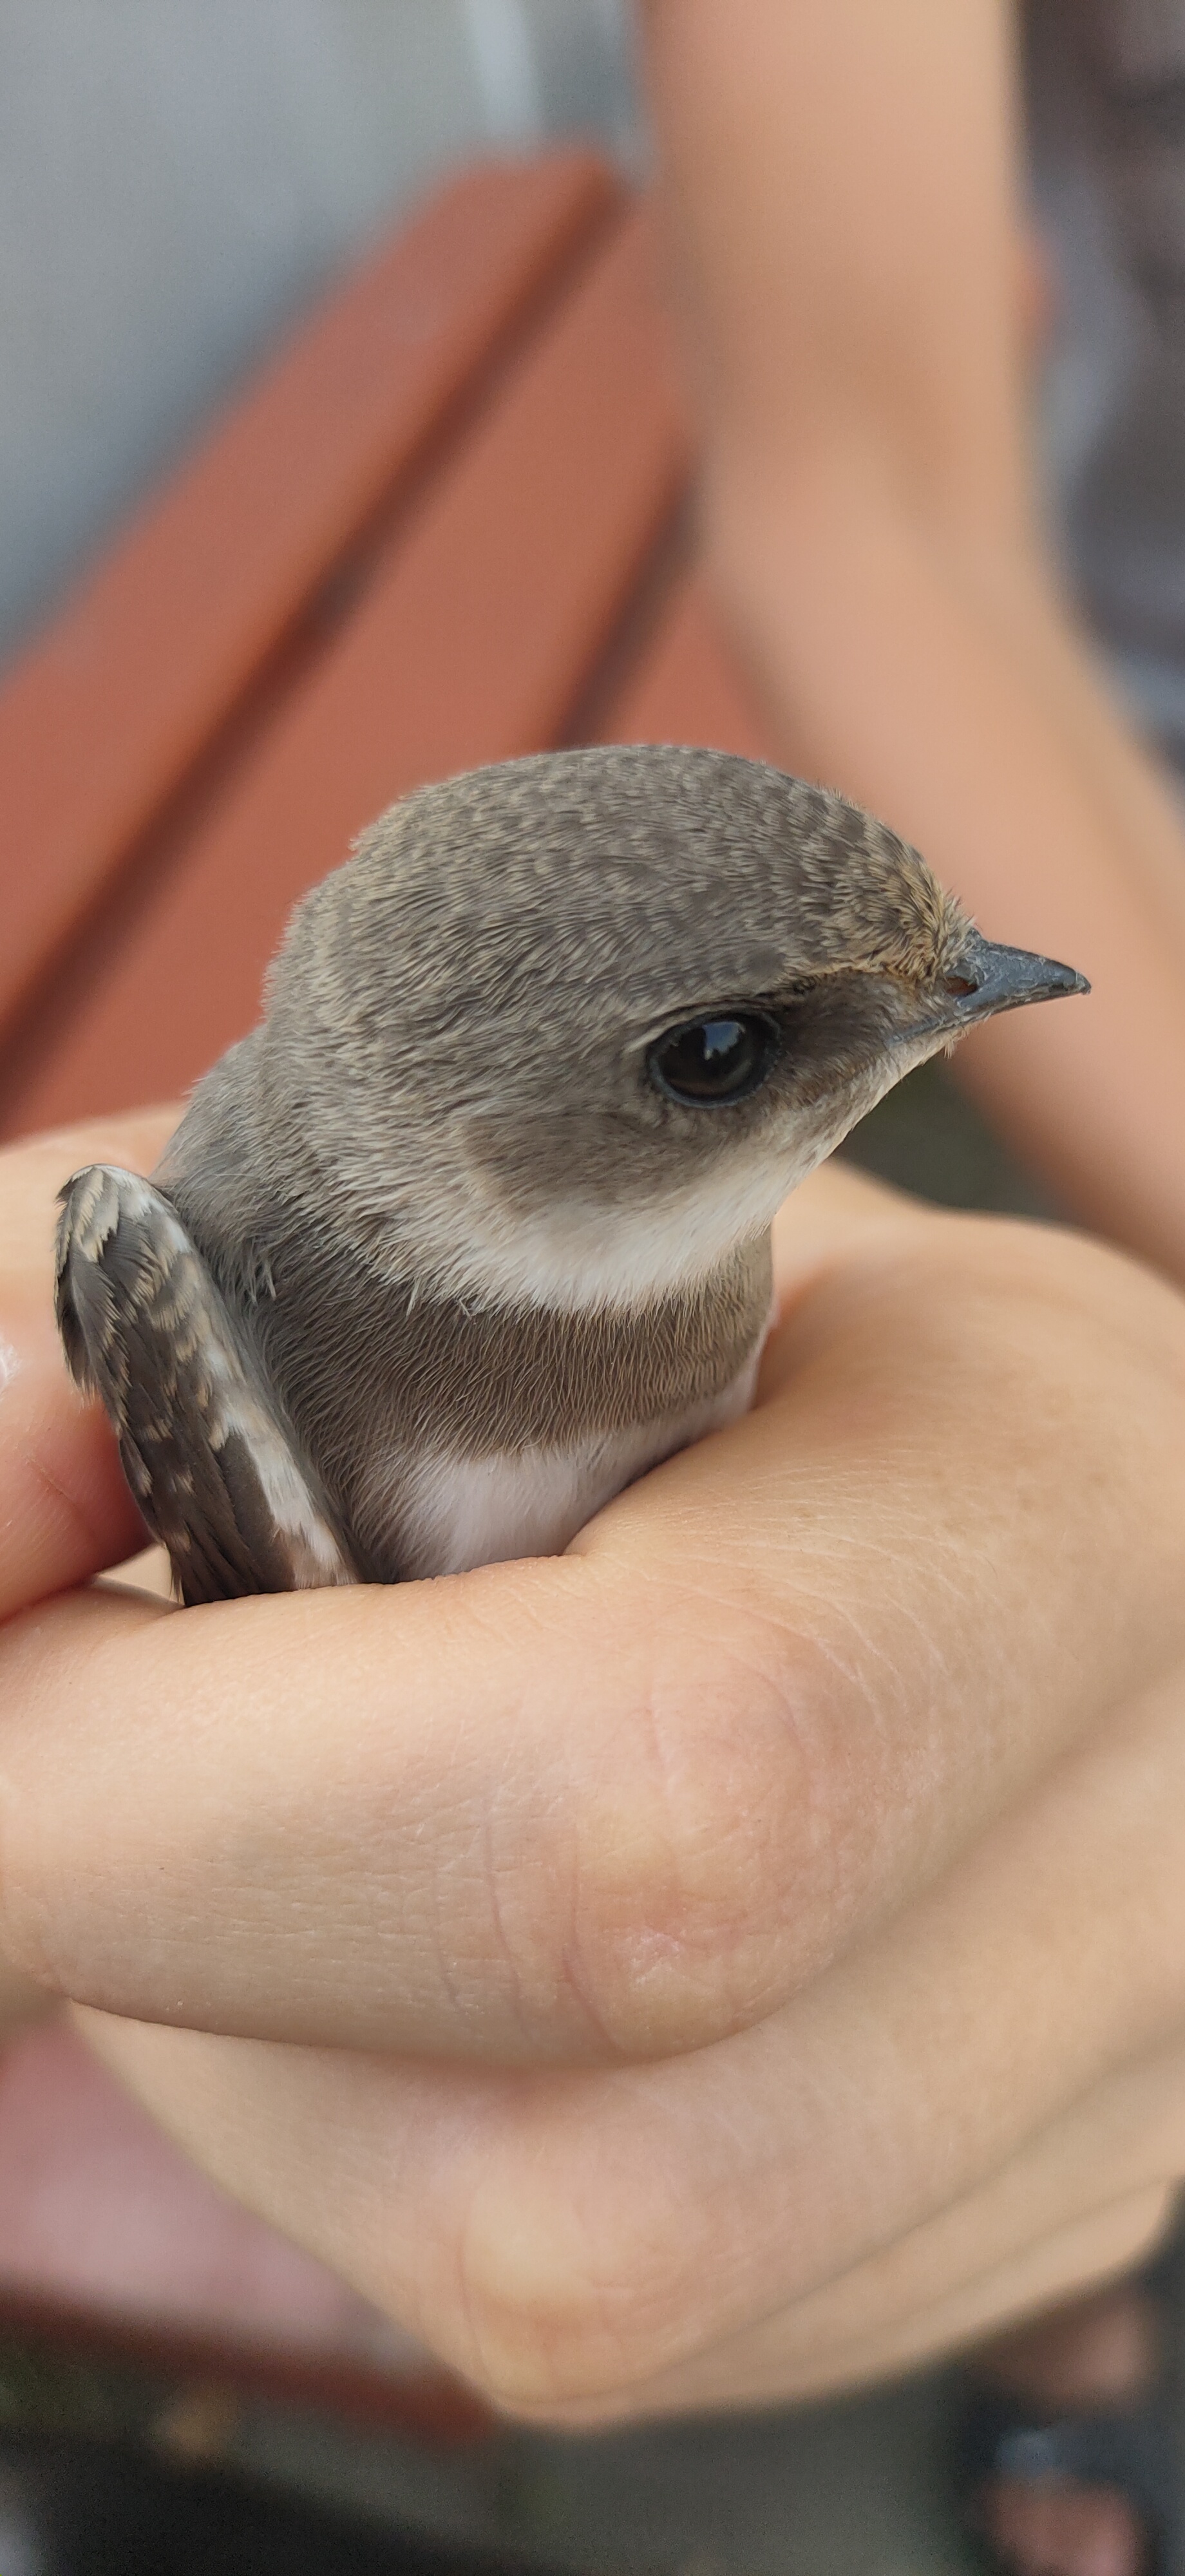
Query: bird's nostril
[957,985]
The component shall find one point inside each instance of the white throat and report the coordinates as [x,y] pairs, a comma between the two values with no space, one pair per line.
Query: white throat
[578,1252]
[464,1242]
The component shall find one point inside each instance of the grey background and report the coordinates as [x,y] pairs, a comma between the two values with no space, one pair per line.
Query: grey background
[178,179]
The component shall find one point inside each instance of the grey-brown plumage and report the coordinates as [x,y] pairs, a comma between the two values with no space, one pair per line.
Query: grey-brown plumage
[475,1226]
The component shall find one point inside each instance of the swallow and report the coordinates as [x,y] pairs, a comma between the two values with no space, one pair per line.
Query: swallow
[474,1228]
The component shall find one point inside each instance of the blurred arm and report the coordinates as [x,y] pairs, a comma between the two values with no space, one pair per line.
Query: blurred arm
[849,261]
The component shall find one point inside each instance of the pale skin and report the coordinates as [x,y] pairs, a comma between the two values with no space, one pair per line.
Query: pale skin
[611,1964]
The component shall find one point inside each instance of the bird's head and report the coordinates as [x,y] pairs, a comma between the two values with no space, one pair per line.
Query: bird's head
[571,1027]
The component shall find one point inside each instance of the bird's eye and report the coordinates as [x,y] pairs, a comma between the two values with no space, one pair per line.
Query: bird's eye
[714,1063]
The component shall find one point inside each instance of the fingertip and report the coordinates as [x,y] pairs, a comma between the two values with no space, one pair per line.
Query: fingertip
[33,1171]
[67,1511]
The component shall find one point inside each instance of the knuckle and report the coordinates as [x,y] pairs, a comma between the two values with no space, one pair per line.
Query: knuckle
[697,1870]
[565,2300]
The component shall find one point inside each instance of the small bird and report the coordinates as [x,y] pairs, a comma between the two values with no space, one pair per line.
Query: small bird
[474,1228]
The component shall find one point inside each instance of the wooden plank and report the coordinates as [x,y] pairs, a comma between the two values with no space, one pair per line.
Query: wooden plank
[112,706]
[473,642]
[686,685]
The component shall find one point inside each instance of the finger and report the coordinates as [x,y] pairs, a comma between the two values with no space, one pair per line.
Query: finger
[65,1510]
[568,2239]
[628,1800]
[1079,2255]
[1087,2198]
[841,2338]
[838,1211]
[974,2271]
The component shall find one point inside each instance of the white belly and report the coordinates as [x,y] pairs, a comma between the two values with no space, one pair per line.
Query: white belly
[450,1513]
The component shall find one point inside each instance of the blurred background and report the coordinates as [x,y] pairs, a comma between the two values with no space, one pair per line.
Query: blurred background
[180,179]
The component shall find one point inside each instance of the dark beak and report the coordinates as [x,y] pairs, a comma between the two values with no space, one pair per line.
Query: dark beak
[988,978]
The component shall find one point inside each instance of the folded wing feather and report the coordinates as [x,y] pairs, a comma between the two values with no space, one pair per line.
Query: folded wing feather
[213,1471]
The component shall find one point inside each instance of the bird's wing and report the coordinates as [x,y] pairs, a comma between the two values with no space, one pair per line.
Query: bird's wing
[145,1325]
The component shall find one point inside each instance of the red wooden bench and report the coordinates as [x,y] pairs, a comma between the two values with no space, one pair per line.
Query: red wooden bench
[447,524]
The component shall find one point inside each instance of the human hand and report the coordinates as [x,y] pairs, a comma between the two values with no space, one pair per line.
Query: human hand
[728,1961]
